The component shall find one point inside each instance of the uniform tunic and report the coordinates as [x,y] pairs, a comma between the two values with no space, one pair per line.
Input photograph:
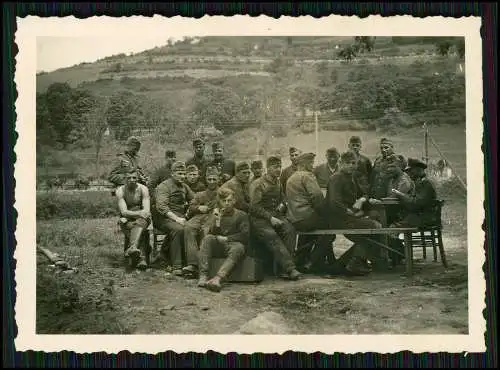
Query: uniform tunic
[266,197]
[285,175]
[125,163]
[235,226]
[323,172]
[241,193]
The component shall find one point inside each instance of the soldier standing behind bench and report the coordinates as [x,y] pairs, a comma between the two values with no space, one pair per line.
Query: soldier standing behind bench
[172,198]
[226,167]
[288,171]
[199,159]
[128,160]
[364,170]
[268,224]
[135,217]
[324,171]
[226,233]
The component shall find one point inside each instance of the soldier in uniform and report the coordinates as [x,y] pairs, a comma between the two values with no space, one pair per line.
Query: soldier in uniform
[172,198]
[288,171]
[239,184]
[135,217]
[193,179]
[342,195]
[306,212]
[324,171]
[379,180]
[164,172]
[268,224]
[198,212]
[198,159]
[226,167]
[226,233]
[364,170]
[126,161]
[418,207]
[257,168]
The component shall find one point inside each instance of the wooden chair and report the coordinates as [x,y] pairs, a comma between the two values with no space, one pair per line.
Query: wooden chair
[431,236]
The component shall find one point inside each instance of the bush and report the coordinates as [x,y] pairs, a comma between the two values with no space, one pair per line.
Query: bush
[78,204]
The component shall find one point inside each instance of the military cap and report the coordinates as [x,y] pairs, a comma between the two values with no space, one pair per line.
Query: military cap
[332,150]
[192,168]
[292,149]
[217,145]
[242,166]
[348,156]
[355,139]
[306,157]
[273,161]
[415,163]
[170,154]
[198,140]
[212,171]
[256,164]
[386,141]
[178,166]
[133,140]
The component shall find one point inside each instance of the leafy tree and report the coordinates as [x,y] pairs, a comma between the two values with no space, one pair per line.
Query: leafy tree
[59,100]
[460,46]
[218,107]
[122,113]
[443,47]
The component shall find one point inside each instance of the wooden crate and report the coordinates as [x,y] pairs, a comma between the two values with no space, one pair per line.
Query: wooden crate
[249,270]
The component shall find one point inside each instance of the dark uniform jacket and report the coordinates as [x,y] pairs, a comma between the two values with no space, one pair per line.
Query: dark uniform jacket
[343,191]
[304,197]
[421,203]
[160,175]
[125,163]
[226,167]
[173,197]
[235,226]
[323,174]
[363,173]
[197,186]
[204,198]
[379,181]
[241,193]
[265,198]
[285,175]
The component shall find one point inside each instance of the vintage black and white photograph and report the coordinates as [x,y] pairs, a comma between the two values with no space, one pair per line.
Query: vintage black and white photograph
[236,184]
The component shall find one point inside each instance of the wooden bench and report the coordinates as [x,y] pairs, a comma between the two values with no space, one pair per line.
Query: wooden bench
[407,231]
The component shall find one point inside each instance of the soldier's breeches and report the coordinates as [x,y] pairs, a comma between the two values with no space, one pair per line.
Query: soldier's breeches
[211,247]
[175,236]
[192,230]
[133,231]
[280,242]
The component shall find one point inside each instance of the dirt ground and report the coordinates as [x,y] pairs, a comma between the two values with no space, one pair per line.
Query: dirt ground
[105,298]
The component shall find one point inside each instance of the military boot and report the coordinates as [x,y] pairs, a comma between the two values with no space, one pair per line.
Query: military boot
[214,284]
[202,281]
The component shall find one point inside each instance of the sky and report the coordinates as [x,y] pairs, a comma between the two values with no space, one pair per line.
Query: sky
[60,52]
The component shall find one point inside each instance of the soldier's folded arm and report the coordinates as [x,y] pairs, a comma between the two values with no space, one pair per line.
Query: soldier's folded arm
[243,231]
[162,205]
[122,206]
[421,200]
[256,208]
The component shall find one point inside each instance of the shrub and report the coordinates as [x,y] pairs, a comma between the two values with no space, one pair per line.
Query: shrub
[78,204]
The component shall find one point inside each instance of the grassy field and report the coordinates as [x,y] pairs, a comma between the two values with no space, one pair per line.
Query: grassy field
[106,298]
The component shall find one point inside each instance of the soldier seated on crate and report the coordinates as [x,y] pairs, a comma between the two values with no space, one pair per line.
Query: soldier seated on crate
[169,215]
[267,218]
[418,207]
[198,213]
[135,217]
[193,179]
[227,233]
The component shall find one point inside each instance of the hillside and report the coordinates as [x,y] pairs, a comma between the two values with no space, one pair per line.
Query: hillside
[258,90]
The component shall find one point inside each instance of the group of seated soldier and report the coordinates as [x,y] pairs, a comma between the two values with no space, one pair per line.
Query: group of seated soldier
[213,207]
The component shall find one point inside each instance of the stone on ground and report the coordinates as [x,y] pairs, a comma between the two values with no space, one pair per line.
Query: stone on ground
[265,323]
